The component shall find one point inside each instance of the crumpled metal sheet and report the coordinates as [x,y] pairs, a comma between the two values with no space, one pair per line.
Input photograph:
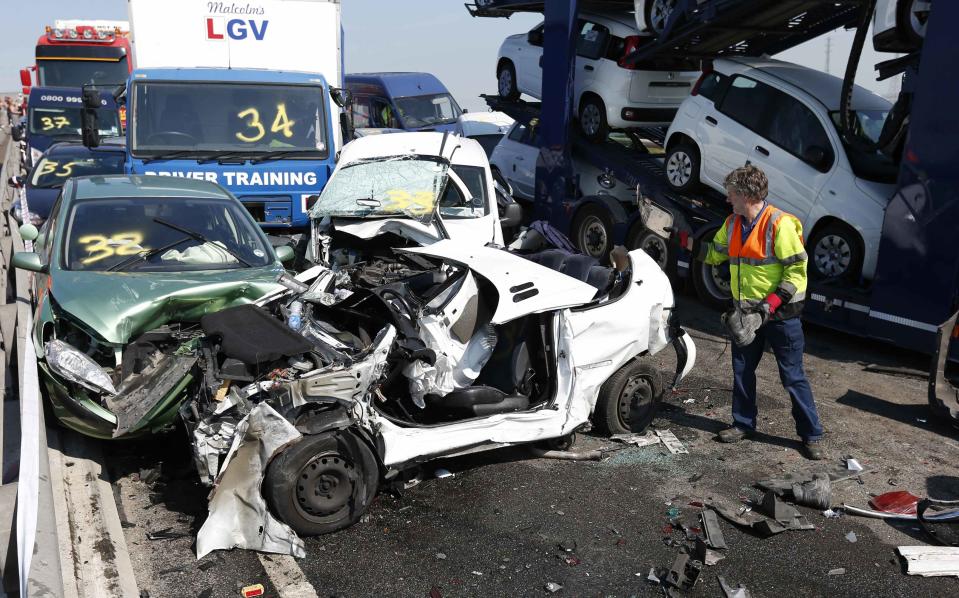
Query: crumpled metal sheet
[239,516]
[141,393]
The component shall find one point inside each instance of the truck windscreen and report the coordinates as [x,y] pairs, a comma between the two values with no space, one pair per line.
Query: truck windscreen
[247,119]
[79,72]
[53,121]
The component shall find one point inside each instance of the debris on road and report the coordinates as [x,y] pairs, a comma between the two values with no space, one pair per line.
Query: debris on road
[785,514]
[839,571]
[816,493]
[714,534]
[652,577]
[553,587]
[443,473]
[646,439]
[900,501]
[252,591]
[704,555]
[930,561]
[851,536]
[166,533]
[594,455]
[853,465]
[730,592]
[684,573]
[674,445]
[831,514]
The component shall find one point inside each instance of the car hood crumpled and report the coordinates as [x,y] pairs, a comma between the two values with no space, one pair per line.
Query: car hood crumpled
[118,306]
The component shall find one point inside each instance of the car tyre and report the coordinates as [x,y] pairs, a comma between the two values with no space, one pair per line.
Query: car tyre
[655,246]
[711,283]
[657,12]
[323,483]
[835,252]
[682,166]
[593,232]
[506,81]
[912,29]
[592,118]
[629,399]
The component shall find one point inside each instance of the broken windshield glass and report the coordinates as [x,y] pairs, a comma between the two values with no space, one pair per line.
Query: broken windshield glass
[404,187]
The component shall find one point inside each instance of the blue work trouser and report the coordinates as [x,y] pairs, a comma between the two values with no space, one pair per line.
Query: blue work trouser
[786,339]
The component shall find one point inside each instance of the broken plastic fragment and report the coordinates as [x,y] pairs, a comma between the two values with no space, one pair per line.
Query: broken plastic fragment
[552,587]
[443,473]
[829,513]
[672,443]
[839,571]
[252,591]
[853,465]
[652,577]
[899,501]
[851,536]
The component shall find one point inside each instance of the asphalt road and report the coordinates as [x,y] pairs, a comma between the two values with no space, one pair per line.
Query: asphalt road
[508,524]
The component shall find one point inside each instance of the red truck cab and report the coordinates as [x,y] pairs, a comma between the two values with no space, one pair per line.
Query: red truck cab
[78,53]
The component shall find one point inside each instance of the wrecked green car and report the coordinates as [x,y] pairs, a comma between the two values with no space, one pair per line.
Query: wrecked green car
[125,267]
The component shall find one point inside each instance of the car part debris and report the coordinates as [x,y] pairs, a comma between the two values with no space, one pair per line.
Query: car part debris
[730,592]
[930,561]
[839,571]
[652,577]
[239,517]
[541,453]
[674,445]
[646,439]
[942,523]
[876,514]
[140,393]
[714,534]
[763,526]
[787,515]
[684,573]
[252,591]
[900,501]
[816,493]
[831,514]
[851,536]
[704,555]
[552,587]
[166,533]
[443,473]
[853,465]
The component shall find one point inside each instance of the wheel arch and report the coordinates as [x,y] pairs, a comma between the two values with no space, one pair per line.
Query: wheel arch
[316,418]
[619,215]
[828,220]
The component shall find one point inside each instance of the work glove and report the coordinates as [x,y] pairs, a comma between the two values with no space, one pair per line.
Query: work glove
[742,325]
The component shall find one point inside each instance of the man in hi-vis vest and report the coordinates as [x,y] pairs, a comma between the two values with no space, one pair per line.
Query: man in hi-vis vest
[767,265]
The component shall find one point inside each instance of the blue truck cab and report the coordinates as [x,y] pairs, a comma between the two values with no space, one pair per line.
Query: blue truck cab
[407,101]
[53,114]
[267,136]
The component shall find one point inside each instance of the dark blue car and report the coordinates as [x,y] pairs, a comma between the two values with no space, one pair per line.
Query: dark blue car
[407,101]
[61,162]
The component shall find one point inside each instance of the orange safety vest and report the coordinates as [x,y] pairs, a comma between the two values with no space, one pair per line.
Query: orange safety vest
[758,249]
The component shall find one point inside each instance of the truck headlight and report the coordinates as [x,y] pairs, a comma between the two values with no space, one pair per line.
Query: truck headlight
[71,364]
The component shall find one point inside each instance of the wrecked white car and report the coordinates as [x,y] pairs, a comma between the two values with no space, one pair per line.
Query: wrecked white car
[414,336]
[374,367]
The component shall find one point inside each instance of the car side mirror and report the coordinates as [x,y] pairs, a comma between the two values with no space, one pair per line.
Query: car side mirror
[535,37]
[817,157]
[284,253]
[342,97]
[28,232]
[16,133]
[28,260]
[512,216]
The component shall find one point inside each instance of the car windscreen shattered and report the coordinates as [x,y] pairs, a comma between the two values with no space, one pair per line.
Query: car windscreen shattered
[161,235]
[406,187]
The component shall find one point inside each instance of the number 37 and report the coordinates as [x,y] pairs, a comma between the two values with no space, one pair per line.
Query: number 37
[281,124]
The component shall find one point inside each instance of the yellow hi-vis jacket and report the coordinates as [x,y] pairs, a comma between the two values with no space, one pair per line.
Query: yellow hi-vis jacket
[770,260]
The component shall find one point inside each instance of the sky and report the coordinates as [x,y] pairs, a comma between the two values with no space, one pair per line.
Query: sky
[436,36]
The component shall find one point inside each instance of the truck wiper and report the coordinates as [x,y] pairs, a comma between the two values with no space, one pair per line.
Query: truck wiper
[274,155]
[168,156]
[202,239]
[217,156]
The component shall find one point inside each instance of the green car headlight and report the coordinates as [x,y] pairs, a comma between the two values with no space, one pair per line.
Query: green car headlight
[75,366]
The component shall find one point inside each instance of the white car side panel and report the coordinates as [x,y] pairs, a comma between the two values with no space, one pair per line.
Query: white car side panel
[514,278]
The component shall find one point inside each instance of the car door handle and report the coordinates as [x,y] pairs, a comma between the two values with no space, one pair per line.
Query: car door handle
[588,68]
[762,150]
[712,121]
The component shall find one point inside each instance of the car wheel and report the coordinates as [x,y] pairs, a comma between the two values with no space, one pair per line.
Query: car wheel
[682,167]
[628,400]
[592,118]
[712,282]
[323,483]
[657,13]
[655,246]
[911,19]
[506,81]
[834,252]
[593,232]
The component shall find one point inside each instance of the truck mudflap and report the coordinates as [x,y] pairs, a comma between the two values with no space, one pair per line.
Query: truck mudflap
[685,354]
[943,396]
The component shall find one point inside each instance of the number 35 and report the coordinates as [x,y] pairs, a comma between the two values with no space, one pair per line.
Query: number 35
[281,123]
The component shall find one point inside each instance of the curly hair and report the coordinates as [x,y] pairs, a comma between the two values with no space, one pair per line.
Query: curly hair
[748,180]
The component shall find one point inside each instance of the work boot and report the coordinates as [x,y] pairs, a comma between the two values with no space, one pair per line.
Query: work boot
[813,450]
[734,434]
